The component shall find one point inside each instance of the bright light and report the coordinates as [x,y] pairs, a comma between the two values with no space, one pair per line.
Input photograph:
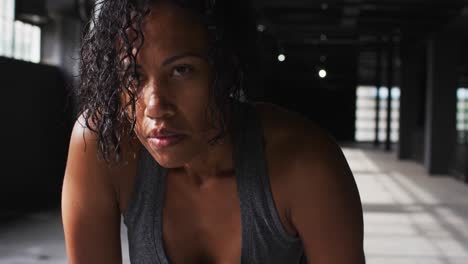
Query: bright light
[281,57]
[260,28]
[322,73]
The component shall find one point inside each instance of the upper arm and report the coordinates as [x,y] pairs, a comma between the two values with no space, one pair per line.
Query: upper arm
[90,213]
[326,208]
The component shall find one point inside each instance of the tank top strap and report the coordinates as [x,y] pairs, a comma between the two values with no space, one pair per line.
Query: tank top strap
[262,230]
[142,216]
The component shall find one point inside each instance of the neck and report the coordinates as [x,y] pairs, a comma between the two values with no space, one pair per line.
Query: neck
[214,163]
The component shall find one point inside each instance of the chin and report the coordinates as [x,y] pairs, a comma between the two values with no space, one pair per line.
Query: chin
[167,159]
[170,164]
[173,157]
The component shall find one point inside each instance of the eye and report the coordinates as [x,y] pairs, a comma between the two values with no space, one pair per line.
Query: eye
[182,70]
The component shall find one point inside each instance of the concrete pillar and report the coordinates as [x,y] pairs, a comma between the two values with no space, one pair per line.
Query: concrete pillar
[378,84]
[390,81]
[440,125]
[412,77]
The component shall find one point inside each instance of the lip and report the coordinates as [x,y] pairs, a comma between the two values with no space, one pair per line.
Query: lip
[162,138]
[163,132]
[164,142]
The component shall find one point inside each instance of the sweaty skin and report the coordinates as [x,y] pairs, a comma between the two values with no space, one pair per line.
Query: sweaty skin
[313,188]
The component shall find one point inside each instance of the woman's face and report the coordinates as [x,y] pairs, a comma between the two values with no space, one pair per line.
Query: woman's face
[171,119]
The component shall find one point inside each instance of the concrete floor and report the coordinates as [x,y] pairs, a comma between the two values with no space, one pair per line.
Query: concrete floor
[409,217]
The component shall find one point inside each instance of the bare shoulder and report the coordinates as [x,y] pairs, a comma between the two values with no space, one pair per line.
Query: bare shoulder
[84,162]
[118,177]
[294,132]
[90,202]
[306,150]
[280,122]
[321,192]
[83,155]
[300,137]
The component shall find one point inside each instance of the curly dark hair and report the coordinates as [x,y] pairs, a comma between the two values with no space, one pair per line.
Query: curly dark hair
[106,74]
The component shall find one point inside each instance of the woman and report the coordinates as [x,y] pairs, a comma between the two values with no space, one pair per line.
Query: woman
[198,175]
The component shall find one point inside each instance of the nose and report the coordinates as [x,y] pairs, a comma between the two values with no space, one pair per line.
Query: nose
[158,105]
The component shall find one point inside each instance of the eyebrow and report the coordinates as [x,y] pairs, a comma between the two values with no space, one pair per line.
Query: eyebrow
[180,56]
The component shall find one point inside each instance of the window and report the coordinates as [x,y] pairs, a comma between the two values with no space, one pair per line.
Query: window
[366,113]
[18,40]
[462,115]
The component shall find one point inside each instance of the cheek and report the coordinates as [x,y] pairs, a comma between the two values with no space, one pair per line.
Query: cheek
[139,115]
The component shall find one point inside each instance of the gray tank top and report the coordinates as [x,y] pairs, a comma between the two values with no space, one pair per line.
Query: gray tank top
[264,239]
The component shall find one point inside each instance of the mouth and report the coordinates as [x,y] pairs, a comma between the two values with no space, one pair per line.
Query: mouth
[164,138]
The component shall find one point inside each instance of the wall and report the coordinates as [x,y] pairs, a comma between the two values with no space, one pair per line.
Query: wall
[36,125]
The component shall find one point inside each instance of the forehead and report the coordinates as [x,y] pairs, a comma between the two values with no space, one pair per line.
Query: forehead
[169,29]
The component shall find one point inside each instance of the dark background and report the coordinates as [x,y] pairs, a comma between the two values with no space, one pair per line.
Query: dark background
[417,45]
